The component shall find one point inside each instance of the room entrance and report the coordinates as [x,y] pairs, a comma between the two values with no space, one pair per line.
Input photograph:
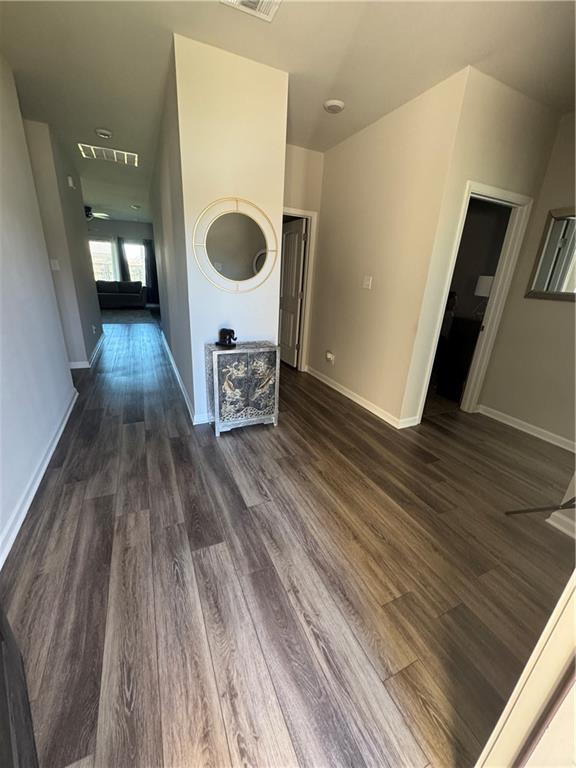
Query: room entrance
[295,286]
[475,271]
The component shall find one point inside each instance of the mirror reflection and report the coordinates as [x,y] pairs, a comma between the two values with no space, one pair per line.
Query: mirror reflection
[554,275]
[236,246]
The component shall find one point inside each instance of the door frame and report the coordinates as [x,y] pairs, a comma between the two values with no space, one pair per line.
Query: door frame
[528,709]
[309,272]
[521,206]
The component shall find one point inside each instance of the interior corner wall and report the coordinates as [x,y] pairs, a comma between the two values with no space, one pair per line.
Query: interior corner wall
[381,197]
[65,231]
[169,238]
[130,230]
[36,390]
[504,140]
[303,178]
[531,372]
[232,125]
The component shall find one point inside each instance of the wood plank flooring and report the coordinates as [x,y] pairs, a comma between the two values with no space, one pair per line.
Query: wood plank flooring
[330,592]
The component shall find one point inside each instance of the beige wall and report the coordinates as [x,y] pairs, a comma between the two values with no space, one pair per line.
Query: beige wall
[36,388]
[504,140]
[381,197]
[131,230]
[303,178]
[232,124]
[531,372]
[170,240]
[64,223]
[77,237]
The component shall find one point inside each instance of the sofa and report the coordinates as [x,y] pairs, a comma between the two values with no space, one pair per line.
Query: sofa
[120,294]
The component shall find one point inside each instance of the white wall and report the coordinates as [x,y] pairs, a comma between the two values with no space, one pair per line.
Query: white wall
[303,178]
[503,140]
[232,125]
[381,196]
[64,223]
[36,389]
[130,230]
[170,240]
[531,372]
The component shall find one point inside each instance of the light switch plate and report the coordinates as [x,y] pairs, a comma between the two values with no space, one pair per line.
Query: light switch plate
[54,265]
[367,282]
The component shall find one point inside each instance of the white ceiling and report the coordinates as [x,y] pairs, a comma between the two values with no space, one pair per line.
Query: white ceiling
[82,65]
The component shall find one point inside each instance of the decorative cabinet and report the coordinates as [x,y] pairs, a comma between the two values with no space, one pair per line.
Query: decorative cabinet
[242,384]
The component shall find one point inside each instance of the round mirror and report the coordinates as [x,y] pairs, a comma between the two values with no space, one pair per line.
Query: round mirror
[236,246]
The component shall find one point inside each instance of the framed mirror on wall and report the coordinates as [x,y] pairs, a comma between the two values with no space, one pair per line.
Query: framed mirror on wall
[235,244]
[554,273]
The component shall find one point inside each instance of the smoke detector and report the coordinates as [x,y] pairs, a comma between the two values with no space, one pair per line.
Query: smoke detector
[333,106]
[103,133]
[262,9]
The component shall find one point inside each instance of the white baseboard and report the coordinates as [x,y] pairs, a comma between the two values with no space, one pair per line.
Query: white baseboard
[531,429]
[179,380]
[96,349]
[202,418]
[565,521]
[376,410]
[17,515]
[88,363]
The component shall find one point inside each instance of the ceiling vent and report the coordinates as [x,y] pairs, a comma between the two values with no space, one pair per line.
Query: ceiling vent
[263,9]
[110,155]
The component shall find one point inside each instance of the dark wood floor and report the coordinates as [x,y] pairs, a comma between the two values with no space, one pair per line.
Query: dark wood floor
[330,592]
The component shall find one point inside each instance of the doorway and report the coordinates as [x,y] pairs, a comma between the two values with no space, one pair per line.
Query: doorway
[479,252]
[298,245]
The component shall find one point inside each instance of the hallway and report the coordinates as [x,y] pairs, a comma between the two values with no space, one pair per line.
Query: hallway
[329,592]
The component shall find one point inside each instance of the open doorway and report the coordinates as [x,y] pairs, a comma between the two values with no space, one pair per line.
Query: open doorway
[125,272]
[479,252]
[298,237]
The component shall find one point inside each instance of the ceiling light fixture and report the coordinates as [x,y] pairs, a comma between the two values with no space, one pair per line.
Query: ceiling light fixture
[100,215]
[135,207]
[333,106]
[104,133]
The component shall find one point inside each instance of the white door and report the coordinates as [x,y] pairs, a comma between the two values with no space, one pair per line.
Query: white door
[291,288]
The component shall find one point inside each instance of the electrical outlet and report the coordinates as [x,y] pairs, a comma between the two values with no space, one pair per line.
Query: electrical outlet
[330,357]
[94,330]
[54,265]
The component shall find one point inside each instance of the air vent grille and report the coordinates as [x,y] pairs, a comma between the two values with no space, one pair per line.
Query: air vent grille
[91,152]
[263,9]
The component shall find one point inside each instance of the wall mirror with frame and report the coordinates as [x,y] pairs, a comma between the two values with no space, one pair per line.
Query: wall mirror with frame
[554,273]
[235,244]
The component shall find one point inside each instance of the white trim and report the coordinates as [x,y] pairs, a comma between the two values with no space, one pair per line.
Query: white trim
[564,520]
[96,349]
[524,426]
[513,240]
[202,418]
[361,401]
[521,206]
[88,363]
[544,669]
[309,274]
[179,379]
[19,513]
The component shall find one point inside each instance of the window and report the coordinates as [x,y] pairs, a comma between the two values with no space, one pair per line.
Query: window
[103,260]
[136,261]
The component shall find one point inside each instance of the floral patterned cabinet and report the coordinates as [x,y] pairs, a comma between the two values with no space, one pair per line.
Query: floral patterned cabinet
[242,384]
